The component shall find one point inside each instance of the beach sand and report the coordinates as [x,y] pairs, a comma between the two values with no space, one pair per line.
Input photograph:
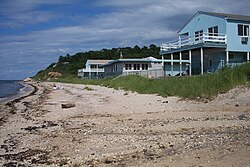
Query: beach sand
[79,126]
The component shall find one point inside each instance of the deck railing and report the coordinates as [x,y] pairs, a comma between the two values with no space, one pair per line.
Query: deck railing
[91,70]
[193,40]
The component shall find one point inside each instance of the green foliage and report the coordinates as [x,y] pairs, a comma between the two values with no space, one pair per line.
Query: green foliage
[68,65]
[204,86]
[88,88]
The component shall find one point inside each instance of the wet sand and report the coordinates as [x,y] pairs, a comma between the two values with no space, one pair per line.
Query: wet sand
[83,125]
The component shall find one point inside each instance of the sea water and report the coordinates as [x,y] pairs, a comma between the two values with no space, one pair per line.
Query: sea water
[10,88]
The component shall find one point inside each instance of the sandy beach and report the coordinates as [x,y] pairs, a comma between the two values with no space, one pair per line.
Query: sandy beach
[81,125]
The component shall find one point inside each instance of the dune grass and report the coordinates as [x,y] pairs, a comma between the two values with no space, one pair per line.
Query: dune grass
[204,86]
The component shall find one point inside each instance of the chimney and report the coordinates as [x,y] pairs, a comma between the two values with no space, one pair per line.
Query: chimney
[121,56]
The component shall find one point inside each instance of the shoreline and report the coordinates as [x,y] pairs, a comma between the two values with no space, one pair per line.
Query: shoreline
[108,127]
[28,90]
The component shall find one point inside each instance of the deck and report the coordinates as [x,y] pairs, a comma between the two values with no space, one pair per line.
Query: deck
[193,42]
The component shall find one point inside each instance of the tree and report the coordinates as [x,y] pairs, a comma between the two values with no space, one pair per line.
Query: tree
[136,49]
[152,46]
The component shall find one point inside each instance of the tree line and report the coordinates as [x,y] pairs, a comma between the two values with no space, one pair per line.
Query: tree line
[69,64]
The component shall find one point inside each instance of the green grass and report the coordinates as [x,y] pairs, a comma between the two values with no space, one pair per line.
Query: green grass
[204,86]
[88,88]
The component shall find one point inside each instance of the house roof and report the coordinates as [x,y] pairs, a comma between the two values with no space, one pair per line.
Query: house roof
[221,15]
[97,61]
[228,16]
[147,59]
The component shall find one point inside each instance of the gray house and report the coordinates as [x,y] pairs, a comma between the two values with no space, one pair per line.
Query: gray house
[148,67]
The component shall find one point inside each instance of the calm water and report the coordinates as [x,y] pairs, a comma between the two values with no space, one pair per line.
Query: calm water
[9,88]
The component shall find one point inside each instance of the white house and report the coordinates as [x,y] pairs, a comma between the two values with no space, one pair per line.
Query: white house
[93,69]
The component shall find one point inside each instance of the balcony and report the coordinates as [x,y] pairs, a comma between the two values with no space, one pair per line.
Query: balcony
[88,70]
[212,40]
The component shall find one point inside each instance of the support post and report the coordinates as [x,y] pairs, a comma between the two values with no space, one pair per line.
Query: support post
[90,75]
[162,61]
[227,57]
[162,64]
[202,61]
[190,62]
[172,64]
[97,71]
[248,56]
[180,64]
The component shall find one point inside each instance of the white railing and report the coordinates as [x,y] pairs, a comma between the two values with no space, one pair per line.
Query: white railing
[193,40]
[91,70]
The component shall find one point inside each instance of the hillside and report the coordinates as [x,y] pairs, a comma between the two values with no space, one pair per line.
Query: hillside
[69,64]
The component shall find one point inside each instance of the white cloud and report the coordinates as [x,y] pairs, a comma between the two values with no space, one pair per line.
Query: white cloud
[127,23]
[18,13]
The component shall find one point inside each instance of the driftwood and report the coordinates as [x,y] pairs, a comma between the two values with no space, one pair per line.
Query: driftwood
[68,105]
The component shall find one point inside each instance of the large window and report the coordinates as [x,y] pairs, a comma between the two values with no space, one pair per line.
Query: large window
[128,66]
[93,66]
[243,30]
[144,67]
[136,66]
[213,31]
[198,35]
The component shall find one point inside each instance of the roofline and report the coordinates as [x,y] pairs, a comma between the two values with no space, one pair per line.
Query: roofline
[211,14]
[106,61]
[237,19]
[130,60]
[189,21]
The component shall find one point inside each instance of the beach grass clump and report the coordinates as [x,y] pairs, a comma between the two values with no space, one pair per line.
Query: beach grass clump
[204,86]
[88,88]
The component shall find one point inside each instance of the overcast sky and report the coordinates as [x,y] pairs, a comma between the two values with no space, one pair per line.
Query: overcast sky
[34,33]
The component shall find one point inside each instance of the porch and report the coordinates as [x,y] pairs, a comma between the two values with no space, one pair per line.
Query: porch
[202,53]
[192,42]
[90,73]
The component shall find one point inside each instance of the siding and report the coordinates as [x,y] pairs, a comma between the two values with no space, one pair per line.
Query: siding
[234,41]
[203,22]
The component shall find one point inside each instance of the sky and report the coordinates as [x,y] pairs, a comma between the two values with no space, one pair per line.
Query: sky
[34,33]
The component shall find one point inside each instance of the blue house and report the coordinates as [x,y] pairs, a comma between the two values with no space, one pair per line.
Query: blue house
[208,42]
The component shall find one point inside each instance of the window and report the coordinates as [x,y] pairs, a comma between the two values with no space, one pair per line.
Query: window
[93,66]
[198,35]
[240,30]
[128,66]
[144,66]
[243,30]
[185,34]
[213,31]
[246,30]
[136,66]
[115,67]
